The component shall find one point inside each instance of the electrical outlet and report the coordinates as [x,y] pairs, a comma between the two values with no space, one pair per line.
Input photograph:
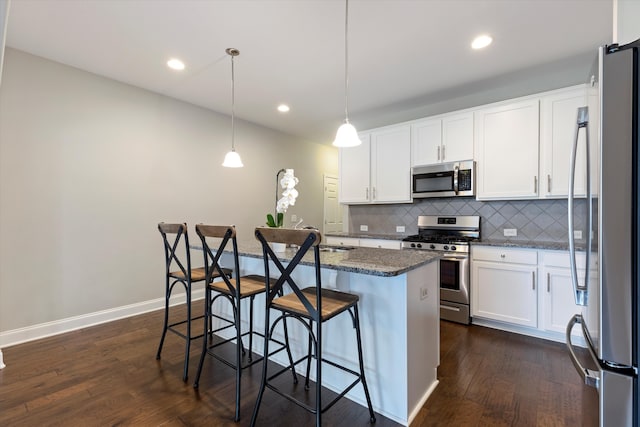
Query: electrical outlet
[510,232]
[294,218]
[424,293]
[364,228]
[399,228]
[577,234]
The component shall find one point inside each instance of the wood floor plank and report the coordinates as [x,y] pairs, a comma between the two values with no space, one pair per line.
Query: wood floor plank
[107,375]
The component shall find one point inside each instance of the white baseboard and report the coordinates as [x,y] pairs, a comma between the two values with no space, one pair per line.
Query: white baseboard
[43,330]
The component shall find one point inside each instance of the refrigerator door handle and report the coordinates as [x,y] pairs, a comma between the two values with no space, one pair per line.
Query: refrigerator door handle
[581,291]
[590,378]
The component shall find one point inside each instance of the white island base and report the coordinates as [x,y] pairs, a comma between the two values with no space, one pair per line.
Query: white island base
[399,321]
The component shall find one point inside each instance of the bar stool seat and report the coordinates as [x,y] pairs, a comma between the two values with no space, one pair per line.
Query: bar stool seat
[333,303]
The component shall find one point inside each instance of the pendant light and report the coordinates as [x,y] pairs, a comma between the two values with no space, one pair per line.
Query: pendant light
[347,136]
[232,159]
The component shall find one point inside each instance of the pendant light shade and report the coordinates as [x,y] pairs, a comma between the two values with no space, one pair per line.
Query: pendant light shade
[347,136]
[232,159]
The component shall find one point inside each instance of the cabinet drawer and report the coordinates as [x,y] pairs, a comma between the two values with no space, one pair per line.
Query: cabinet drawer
[380,243]
[513,256]
[342,241]
[561,259]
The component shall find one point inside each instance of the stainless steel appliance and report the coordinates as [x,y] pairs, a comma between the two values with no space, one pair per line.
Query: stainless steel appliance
[451,236]
[444,180]
[610,316]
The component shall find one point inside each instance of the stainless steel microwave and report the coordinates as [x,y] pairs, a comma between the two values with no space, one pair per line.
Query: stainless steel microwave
[444,180]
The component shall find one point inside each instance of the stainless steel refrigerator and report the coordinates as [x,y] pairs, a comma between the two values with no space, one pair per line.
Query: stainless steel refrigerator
[610,319]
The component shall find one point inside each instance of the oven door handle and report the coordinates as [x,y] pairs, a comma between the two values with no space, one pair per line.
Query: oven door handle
[454,257]
[455,180]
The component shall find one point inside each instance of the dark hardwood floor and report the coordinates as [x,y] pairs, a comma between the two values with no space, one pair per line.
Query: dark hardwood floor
[107,375]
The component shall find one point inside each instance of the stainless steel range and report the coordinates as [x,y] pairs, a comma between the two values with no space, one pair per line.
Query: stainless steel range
[450,235]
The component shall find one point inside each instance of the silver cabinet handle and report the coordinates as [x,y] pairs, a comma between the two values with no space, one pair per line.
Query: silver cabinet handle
[581,291]
[374,193]
[535,184]
[367,190]
[438,153]
[502,256]
[533,281]
[548,183]
[548,282]
[443,152]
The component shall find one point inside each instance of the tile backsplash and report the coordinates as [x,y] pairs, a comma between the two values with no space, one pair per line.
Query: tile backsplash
[538,220]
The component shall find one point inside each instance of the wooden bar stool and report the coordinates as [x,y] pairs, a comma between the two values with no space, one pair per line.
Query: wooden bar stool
[311,306]
[179,271]
[234,291]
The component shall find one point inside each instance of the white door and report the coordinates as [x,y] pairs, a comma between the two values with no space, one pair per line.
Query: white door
[332,207]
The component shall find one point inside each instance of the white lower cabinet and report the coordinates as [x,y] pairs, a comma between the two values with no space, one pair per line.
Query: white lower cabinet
[526,288]
[558,301]
[504,285]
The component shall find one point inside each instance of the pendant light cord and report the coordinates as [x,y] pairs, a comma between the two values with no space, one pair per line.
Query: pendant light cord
[346,61]
[233,104]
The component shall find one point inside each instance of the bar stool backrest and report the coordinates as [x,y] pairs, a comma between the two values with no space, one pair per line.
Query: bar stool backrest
[173,234]
[304,240]
[212,257]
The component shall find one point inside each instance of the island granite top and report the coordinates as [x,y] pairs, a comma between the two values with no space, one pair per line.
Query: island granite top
[372,261]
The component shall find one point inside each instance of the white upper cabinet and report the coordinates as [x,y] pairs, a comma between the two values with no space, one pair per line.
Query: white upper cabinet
[355,171]
[506,150]
[379,170]
[443,139]
[391,165]
[558,117]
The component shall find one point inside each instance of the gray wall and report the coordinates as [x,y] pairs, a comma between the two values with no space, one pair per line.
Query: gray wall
[537,220]
[89,166]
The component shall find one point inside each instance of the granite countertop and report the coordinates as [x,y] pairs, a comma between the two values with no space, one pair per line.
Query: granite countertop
[532,244]
[372,261]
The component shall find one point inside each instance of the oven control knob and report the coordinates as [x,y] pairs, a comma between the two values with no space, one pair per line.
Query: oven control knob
[413,245]
[419,245]
[432,246]
[453,248]
[445,247]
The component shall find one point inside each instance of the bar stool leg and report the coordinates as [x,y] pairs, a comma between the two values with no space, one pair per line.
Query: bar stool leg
[251,326]
[286,341]
[207,333]
[306,383]
[263,378]
[166,319]
[188,346]
[361,362]
[239,352]
[318,374]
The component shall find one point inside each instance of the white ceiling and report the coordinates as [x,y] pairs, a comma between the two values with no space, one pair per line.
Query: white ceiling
[401,52]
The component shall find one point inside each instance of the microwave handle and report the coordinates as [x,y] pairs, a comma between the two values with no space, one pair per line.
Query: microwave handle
[455,180]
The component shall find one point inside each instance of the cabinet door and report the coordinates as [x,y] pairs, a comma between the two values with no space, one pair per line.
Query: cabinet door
[426,140]
[559,302]
[457,137]
[506,150]
[558,130]
[355,172]
[391,165]
[504,292]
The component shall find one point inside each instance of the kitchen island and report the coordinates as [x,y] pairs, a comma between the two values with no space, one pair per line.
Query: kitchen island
[399,319]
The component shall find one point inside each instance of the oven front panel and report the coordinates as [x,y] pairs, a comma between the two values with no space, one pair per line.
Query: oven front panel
[454,279]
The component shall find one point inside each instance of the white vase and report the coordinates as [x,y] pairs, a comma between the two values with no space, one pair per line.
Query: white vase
[278,247]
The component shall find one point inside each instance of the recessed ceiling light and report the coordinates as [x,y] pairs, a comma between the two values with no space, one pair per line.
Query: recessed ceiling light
[175,64]
[283,108]
[481,41]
